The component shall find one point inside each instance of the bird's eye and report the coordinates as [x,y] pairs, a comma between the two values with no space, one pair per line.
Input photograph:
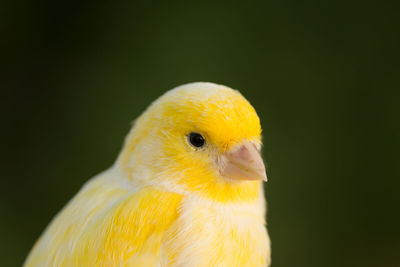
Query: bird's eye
[196,139]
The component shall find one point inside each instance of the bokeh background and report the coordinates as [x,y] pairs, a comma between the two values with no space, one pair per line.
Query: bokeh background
[322,75]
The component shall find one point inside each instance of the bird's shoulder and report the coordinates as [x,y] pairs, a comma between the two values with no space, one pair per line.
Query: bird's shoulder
[107,221]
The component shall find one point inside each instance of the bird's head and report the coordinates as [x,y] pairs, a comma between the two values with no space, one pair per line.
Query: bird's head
[199,137]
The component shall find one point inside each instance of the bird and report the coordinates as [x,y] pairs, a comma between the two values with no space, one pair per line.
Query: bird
[185,190]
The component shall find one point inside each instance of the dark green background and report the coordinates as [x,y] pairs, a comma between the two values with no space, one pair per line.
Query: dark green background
[322,75]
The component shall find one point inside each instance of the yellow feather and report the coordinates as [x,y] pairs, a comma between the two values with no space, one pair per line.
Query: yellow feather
[104,226]
[163,203]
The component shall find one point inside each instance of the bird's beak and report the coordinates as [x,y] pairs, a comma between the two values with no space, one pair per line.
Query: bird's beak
[243,163]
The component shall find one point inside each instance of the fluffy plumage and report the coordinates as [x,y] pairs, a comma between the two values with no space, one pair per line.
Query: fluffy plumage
[164,202]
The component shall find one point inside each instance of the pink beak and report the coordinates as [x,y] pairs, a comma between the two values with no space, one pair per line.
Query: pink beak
[243,163]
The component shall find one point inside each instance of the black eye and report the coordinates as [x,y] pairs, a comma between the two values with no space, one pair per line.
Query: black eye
[196,139]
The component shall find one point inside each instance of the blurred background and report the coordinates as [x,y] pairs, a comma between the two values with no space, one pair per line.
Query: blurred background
[323,76]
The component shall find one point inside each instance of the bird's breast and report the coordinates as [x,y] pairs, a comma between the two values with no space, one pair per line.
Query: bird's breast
[209,233]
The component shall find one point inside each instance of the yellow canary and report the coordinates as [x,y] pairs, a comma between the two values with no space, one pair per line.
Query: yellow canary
[186,190]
